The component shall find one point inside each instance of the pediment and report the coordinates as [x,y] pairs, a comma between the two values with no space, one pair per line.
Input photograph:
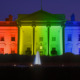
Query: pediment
[42,15]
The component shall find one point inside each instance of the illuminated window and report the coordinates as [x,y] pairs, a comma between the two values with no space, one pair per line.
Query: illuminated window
[1,50]
[41,47]
[53,38]
[41,38]
[69,37]
[12,37]
[79,38]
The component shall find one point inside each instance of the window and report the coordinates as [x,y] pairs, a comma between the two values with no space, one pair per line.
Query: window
[41,38]
[69,37]
[1,50]
[79,38]
[12,37]
[53,38]
[12,51]
[2,38]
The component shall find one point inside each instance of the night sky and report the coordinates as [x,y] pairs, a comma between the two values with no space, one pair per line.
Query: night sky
[16,7]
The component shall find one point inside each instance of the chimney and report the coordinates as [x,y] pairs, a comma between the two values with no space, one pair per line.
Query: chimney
[7,19]
[72,17]
[10,17]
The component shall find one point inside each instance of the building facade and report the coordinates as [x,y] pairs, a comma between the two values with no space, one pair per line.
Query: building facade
[72,36]
[50,34]
[8,36]
[41,31]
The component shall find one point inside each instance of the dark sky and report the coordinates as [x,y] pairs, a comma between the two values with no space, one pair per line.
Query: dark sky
[15,7]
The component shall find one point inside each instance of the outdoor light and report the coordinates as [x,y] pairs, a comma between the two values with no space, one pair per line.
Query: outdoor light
[14,65]
[31,65]
[41,47]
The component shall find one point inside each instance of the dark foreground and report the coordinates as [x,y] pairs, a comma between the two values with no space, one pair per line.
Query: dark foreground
[39,73]
[57,67]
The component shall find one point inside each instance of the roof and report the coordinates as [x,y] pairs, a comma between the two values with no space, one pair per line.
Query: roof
[41,15]
[72,23]
[8,23]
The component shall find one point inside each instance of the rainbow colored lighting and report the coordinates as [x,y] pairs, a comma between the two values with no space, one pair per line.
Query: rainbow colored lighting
[26,40]
[55,41]
[8,37]
[72,37]
[40,31]
[41,40]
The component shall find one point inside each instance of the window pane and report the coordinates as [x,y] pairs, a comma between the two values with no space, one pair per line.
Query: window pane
[12,38]
[2,38]
[69,37]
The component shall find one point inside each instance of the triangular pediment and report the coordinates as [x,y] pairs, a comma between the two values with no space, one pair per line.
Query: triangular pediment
[41,15]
